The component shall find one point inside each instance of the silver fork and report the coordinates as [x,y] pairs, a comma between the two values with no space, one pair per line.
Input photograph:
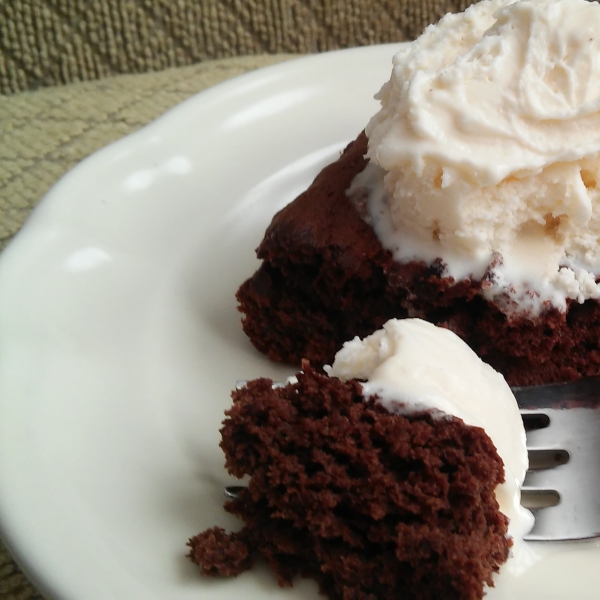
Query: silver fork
[562,485]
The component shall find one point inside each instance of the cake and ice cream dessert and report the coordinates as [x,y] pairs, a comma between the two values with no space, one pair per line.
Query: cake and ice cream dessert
[472,200]
[397,475]
[462,224]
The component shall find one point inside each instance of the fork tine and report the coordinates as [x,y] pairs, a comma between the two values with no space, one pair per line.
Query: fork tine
[577,514]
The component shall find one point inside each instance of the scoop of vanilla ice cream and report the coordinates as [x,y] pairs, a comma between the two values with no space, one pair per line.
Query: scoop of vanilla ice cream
[412,365]
[486,150]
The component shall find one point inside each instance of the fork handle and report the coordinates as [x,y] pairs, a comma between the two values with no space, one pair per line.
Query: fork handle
[580,393]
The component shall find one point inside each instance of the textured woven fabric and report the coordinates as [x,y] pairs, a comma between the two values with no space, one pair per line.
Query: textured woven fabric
[47,42]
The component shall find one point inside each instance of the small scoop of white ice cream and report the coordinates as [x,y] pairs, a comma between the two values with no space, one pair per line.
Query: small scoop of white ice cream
[425,367]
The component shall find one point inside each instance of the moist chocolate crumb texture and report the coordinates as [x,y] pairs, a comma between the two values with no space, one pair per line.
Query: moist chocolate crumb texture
[523,197]
[373,505]
[396,475]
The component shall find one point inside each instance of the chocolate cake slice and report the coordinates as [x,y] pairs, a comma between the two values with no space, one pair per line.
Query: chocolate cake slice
[372,504]
[325,278]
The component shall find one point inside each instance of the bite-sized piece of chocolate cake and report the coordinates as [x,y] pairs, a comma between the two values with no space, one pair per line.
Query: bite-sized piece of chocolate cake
[325,278]
[374,505]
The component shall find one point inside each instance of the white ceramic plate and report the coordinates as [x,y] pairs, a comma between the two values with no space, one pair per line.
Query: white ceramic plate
[120,340]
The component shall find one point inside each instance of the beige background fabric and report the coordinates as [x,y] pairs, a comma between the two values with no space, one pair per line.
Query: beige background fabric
[50,44]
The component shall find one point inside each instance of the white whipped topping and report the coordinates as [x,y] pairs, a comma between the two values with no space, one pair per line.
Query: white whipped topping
[488,143]
[425,367]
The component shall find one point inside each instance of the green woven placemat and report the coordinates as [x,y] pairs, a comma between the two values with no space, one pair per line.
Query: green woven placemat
[45,133]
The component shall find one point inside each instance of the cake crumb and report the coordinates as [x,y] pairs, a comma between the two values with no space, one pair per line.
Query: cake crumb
[219,553]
